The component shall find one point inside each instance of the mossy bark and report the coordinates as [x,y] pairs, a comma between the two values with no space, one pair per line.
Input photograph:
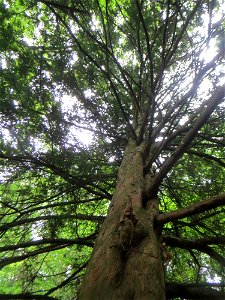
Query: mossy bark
[126,262]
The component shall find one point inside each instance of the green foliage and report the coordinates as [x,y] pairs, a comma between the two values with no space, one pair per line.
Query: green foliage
[127,69]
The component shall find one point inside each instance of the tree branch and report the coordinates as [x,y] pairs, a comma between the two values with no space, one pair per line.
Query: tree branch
[190,93]
[174,241]
[39,207]
[61,6]
[10,260]
[25,296]
[147,39]
[188,19]
[99,67]
[191,210]
[41,162]
[208,157]
[193,291]
[10,225]
[212,103]
[67,280]
[81,241]
[195,244]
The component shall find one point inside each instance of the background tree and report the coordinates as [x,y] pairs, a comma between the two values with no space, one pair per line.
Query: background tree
[112,127]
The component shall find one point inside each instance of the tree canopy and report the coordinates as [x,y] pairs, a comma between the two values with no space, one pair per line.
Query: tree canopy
[78,80]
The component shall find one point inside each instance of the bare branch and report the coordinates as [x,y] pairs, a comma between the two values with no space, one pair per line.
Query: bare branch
[193,209]
[195,244]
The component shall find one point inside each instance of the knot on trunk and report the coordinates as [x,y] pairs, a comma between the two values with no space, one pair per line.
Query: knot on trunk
[130,230]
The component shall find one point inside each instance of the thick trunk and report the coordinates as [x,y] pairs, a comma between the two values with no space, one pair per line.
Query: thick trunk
[126,262]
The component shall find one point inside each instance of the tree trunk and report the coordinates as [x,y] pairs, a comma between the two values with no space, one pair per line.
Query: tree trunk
[126,262]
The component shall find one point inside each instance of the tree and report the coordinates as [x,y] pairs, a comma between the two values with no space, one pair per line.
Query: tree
[146,80]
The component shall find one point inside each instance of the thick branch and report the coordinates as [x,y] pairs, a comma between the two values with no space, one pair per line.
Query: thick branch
[81,241]
[193,209]
[195,244]
[174,241]
[192,291]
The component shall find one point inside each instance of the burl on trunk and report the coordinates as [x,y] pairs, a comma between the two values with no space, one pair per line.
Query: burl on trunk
[126,262]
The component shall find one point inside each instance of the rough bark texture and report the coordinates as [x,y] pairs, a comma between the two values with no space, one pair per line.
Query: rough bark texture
[126,262]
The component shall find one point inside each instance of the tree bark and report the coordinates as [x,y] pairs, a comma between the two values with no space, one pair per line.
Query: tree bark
[126,262]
